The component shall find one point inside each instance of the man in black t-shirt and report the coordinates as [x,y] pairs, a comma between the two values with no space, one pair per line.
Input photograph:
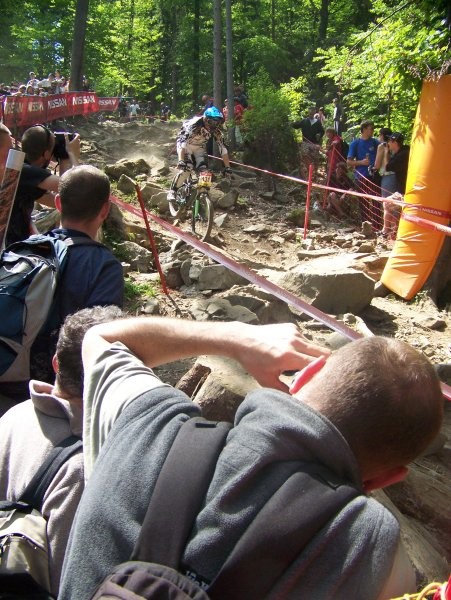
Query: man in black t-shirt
[36,182]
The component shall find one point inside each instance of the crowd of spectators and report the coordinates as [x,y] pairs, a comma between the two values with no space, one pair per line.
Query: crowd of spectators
[53,83]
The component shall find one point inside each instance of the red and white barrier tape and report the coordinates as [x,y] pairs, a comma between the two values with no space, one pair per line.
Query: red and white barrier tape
[253,277]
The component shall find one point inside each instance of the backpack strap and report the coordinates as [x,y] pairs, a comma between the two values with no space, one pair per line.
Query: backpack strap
[180,491]
[298,510]
[36,489]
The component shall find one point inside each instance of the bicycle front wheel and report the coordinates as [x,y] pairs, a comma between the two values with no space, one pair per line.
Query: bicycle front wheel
[202,216]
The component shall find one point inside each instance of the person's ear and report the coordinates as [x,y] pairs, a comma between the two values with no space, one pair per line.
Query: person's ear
[58,202]
[105,210]
[389,477]
[302,377]
[55,364]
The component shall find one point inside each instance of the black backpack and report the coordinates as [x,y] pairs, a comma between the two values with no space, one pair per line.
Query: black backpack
[24,569]
[30,271]
[273,538]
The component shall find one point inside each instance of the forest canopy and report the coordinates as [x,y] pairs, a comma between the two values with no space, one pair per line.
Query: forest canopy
[372,54]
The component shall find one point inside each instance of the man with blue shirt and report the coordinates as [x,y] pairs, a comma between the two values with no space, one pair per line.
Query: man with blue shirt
[361,157]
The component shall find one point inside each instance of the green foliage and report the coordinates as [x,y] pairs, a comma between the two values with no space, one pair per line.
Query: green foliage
[294,92]
[379,73]
[268,136]
[134,290]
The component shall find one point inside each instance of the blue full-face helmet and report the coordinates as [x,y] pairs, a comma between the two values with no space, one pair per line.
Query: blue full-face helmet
[213,117]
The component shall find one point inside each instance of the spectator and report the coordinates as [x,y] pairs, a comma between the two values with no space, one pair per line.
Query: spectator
[46,83]
[92,275]
[31,430]
[387,179]
[330,421]
[165,112]
[33,81]
[361,157]
[397,164]
[321,116]
[337,203]
[238,111]
[207,102]
[337,116]
[134,109]
[312,133]
[399,160]
[334,149]
[241,96]
[36,182]
[29,90]
[6,143]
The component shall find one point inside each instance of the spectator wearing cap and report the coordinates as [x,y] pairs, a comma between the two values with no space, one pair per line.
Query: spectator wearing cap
[33,81]
[399,160]
[398,164]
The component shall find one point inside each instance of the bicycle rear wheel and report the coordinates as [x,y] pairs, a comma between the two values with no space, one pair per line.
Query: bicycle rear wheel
[202,213]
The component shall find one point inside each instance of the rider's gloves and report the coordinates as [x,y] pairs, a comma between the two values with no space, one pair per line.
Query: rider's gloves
[181,165]
[227,171]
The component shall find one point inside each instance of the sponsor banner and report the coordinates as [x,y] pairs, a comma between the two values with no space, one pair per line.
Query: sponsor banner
[27,110]
[108,103]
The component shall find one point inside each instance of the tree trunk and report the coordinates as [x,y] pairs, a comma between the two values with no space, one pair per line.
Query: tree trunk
[229,64]
[323,22]
[196,55]
[217,75]
[78,44]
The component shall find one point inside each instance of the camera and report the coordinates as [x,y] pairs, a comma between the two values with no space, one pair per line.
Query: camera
[59,151]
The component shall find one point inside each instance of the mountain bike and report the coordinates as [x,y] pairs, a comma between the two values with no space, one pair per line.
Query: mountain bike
[192,197]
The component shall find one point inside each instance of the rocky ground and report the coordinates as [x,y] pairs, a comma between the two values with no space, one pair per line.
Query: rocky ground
[262,228]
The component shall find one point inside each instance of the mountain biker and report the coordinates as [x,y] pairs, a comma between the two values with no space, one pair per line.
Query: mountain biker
[192,144]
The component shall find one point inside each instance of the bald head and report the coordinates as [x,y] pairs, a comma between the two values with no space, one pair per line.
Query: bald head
[383,396]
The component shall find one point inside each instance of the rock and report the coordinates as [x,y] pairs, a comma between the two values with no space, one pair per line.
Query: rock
[366,248]
[160,202]
[268,195]
[114,223]
[172,276]
[368,231]
[434,323]
[336,340]
[151,307]
[127,167]
[217,277]
[247,185]
[223,389]
[228,200]
[267,308]
[309,254]
[444,372]
[259,228]
[334,289]
[125,184]
[139,258]
[221,220]
[149,189]
[224,185]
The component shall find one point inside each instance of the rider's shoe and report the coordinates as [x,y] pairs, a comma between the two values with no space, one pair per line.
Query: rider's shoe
[171,196]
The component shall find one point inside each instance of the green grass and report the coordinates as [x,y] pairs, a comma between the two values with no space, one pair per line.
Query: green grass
[137,294]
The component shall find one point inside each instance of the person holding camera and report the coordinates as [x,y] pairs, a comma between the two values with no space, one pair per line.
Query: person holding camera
[37,183]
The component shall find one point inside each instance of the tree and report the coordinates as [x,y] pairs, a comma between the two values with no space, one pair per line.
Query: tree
[78,44]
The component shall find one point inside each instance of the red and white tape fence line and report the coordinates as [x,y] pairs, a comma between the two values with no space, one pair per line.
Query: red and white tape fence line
[251,276]
[435,211]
